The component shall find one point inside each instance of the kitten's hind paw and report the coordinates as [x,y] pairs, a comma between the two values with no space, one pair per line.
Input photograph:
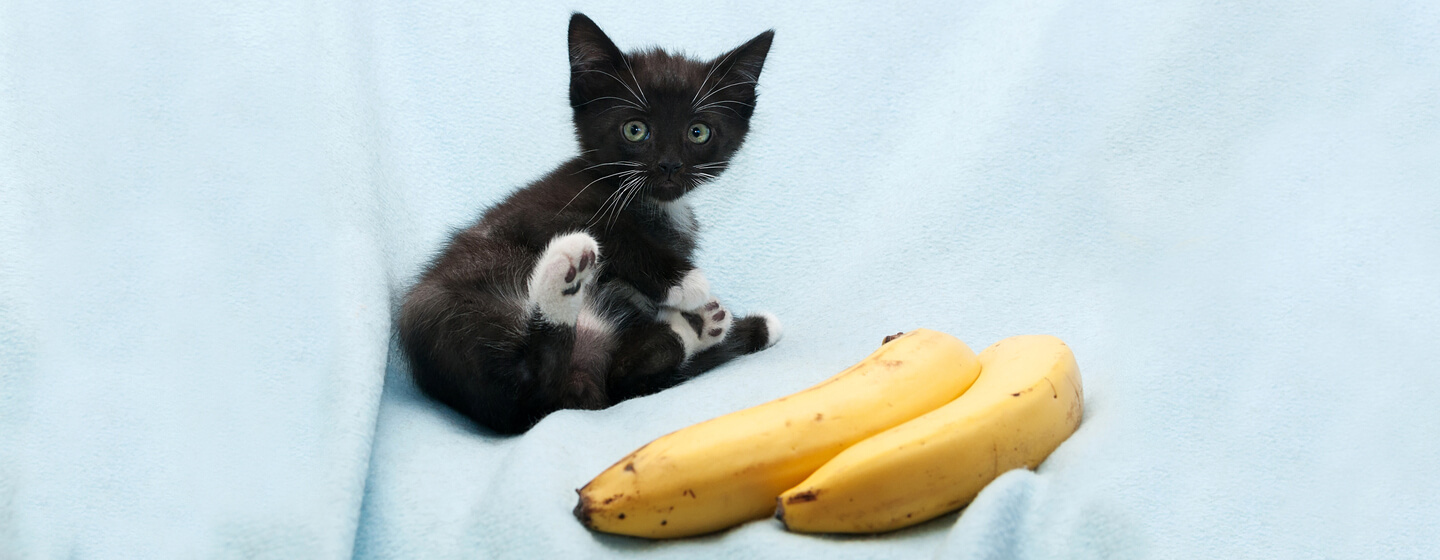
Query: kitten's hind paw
[701,328]
[560,276]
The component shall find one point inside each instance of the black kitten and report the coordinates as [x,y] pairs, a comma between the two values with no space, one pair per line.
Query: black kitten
[578,291]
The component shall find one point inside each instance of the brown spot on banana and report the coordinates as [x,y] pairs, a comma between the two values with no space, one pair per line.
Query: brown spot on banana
[806,496]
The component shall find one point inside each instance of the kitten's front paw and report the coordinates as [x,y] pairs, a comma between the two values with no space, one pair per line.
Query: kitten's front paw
[701,328]
[561,273]
[690,294]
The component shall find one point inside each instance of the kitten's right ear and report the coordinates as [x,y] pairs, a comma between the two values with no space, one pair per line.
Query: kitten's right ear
[590,49]
[592,57]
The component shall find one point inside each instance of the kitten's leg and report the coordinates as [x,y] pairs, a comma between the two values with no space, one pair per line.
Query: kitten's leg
[691,293]
[664,354]
[748,335]
[507,357]
[560,290]
[650,356]
[556,286]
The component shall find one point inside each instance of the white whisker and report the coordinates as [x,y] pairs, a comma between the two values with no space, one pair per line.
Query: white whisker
[695,101]
[627,102]
[715,91]
[622,84]
[721,105]
[587,185]
[729,101]
[623,162]
[618,106]
[614,197]
[631,68]
[737,113]
[633,191]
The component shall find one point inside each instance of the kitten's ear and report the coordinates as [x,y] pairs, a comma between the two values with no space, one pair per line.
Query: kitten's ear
[592,55]
[739,70]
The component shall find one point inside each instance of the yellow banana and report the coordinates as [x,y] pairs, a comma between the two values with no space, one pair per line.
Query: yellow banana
[728,470]
[1025,403]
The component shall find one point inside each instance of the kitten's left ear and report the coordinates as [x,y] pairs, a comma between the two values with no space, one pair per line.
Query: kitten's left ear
[739,71]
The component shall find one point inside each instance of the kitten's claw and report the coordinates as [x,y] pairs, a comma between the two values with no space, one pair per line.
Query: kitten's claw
[562,272]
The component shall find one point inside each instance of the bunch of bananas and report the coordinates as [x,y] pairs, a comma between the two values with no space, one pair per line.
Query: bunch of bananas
[911,432]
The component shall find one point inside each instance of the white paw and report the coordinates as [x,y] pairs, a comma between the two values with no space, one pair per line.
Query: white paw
[560,276]
[701,328]
[692,292]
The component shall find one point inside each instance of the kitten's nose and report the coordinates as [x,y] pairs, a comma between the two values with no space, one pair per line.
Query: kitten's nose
[670,167]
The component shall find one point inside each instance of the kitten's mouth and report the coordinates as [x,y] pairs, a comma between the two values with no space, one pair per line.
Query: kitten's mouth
[668,190]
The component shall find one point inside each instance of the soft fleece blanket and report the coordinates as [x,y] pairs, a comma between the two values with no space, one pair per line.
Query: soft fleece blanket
[1230,210]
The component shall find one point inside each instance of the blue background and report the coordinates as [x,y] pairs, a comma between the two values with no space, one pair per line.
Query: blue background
[1230,210]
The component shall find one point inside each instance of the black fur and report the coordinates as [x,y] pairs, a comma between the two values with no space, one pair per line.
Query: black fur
[474,343]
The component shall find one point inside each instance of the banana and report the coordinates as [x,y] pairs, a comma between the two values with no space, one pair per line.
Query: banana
[728,470]
[1026,402]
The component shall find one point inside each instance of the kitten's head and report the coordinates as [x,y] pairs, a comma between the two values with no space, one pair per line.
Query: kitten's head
[661,123]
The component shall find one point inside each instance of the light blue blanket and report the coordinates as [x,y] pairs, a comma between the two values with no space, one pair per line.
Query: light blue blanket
[1231,211]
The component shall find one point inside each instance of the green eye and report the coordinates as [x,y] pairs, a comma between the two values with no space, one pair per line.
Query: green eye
[699,133]
[635,131]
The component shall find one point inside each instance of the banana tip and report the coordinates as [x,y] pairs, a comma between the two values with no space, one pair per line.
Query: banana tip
[582,510]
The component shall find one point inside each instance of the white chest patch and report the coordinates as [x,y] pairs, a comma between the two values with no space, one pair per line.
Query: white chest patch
[680,214]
